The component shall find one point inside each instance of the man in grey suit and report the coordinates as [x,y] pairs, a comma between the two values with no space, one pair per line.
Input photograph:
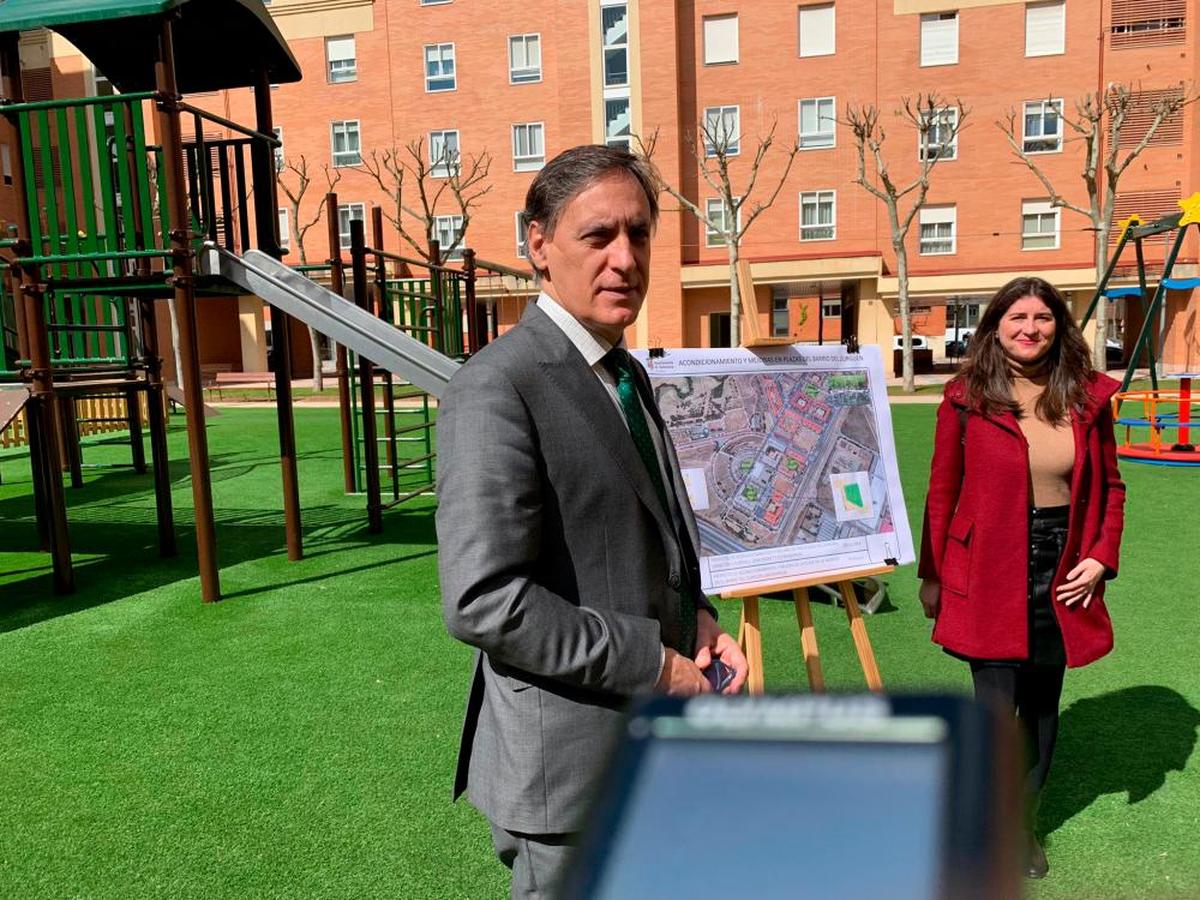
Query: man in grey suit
[567,550]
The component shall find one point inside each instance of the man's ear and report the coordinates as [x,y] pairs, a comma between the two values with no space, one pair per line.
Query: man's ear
[535,244]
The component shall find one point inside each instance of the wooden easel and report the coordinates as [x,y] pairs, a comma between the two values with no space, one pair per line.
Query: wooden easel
[749,631]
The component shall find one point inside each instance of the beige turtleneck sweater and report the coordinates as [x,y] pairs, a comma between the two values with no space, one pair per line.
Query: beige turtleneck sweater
[1051,446]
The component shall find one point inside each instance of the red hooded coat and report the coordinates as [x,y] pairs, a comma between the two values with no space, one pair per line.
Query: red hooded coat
[976,535]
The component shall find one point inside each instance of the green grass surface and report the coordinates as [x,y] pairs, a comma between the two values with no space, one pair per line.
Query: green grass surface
[298,739]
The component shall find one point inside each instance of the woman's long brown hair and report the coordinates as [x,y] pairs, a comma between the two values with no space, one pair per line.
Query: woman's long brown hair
[987,370]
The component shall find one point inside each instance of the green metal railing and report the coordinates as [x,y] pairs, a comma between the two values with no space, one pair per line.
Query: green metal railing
[412,307]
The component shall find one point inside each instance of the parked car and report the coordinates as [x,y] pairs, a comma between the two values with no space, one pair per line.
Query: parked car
[1114,354]
[955,349]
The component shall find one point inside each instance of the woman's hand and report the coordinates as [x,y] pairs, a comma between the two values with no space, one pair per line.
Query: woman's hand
[931,597]
[1081,583]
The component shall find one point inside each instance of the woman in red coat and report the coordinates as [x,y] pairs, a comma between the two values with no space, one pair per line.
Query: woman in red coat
[1024,514]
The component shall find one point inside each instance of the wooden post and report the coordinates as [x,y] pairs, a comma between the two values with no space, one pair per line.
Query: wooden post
[133,418]
[366,385]
[337,284]
[170,138]
[157,421]
[266,223]
[42,409]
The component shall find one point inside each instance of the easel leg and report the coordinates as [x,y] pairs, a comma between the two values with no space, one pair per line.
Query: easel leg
[753,639]
[862,643]
[808,641]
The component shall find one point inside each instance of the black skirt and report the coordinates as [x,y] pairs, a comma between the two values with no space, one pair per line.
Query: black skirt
[1047,540]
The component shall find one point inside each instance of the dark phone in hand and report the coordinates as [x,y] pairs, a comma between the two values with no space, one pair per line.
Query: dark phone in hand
[719,675]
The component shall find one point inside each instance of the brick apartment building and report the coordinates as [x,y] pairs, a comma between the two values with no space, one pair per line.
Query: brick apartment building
[524,80]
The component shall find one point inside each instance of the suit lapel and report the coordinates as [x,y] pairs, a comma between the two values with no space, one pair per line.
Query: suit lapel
[583,393]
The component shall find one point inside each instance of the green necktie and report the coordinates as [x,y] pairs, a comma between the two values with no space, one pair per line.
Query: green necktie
[618,363]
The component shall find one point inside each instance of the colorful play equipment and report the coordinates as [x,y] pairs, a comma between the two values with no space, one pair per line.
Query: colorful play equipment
[111,222]
[1161,413]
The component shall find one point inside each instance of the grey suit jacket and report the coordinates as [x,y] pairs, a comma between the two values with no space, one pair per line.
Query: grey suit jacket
[558,563]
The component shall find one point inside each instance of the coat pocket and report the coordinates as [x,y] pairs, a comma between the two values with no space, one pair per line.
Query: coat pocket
[956,561]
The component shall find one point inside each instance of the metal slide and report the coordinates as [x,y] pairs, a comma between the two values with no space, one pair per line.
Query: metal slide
[336,318]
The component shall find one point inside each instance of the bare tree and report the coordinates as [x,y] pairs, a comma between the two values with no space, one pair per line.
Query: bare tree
[443,180]
[294,193]
[715,146]
[1099,122]
[937,123]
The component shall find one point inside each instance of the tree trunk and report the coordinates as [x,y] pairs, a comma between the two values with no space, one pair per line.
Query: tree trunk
[1100,344]
[318,375]
[735,294]
[906,352]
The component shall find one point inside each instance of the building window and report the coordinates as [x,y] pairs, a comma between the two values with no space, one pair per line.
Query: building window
[722,130]
[285,233]
[443,153]
[720,39]
[616,122]
[439,68]
[718,213]
[1046,28]
[831,309]
[818,123]
[614,24]
[347,213]
[1039,225]
[779,313]
[818,215]
[347,143]
[280,162]
[522,236]
[448,231]
[529,146]
[940,139]
[524,58]
[339,59]
[937,230]
[1042,128]
[939,39]
[816,30]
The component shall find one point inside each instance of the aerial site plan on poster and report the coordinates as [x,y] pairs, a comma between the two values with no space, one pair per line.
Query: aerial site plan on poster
[788,458]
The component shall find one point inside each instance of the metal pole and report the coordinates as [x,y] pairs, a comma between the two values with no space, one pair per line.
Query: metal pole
[266,223]
[366,384]
[476,324]
[170,138]
[133,418]
[42,409]
[337,284]
[1152,309]
[435,288]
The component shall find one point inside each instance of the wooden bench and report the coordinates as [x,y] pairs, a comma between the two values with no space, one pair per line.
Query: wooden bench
[221,380]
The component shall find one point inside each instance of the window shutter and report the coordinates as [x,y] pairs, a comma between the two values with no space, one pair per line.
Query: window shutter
[720,39]
[939,39]
[340,48]
[1147,23]
[817,30]
[1045,28]
[1140,117]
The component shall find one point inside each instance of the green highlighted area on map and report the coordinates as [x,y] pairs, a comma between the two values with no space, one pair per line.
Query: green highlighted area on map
[853,495]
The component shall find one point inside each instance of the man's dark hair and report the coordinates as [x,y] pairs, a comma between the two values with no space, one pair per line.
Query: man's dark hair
[988,373]
[576,169]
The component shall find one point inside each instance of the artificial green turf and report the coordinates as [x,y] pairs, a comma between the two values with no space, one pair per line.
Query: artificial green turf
[298,739]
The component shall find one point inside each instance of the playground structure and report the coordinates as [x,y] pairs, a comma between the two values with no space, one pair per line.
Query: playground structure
[1163,333]
[110,223]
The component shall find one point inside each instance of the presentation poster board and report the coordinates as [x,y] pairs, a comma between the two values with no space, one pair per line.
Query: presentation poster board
[789,461]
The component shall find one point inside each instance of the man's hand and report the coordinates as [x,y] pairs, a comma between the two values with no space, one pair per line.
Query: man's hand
[1081,582]
[930,595]
[713,643]
[681,677]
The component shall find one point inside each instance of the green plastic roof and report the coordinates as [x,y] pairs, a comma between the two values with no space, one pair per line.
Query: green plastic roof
[218,43]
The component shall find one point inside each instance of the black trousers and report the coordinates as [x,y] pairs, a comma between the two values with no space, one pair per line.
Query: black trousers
[1030,689]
